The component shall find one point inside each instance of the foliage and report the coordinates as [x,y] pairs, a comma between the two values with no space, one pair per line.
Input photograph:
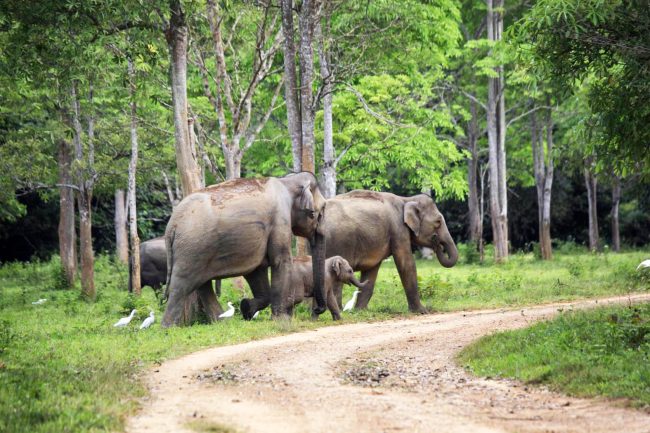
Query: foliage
[586,353]
[606,44]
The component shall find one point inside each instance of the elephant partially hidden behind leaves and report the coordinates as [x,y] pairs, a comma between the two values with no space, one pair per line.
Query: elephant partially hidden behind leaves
[243,227]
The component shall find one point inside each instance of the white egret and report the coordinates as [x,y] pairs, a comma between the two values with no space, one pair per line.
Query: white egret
[229,312]
[39,302]
[643,264]
[148,321]
[125,320]
[352,302]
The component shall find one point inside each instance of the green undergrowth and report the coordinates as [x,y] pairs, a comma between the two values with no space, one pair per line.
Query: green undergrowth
[603,352]
[64,368]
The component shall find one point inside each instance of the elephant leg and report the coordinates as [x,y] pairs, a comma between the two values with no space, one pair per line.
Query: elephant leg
[332,303]
[371,276]
[280,258]
[182,302]
[405,264]
[211,305]
[258,280]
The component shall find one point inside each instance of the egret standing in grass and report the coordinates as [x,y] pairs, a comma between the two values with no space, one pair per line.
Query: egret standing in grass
[125,320]
[39,302]
[352,302]
[229,312]
[148,321]
[643,264]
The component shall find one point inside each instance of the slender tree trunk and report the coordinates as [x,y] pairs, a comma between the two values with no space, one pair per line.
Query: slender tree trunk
[545,234]
[481,245]
[329,157]
[472,178]
[306,82]
[233,164]
[84,183]
[121,238]
[186,158]
[133,165]
[67,234]
[291,85]
[592,185]
[496,140]
[616,200]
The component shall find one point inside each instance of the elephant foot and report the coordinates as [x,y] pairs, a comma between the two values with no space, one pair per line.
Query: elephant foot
[421,309]
[247,309]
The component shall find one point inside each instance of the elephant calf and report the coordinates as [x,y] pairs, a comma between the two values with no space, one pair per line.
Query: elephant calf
[337,272]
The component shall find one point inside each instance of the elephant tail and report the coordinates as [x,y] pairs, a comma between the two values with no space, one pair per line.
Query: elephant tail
[169,245]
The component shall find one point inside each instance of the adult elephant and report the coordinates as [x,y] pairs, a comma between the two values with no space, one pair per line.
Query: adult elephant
[243,227]
[153,265]
[366,227]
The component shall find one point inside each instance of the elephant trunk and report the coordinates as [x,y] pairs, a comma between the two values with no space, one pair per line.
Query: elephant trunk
[318,266]
[358,284]
[446,251]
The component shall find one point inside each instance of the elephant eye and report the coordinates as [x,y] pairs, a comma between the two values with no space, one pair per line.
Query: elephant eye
[310,213]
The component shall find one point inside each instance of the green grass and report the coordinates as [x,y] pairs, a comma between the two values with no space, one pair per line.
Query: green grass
[64,368]
[603,352]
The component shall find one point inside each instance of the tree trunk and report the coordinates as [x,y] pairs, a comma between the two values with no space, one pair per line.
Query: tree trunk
[186,158]
[233,164]
[616,200]
[291,85]
[475,228]
[545,234]
[496,141]
[329,157]
[306,23]
[592,184]
[84,180]
[133,164]
[121,239]
[67,234]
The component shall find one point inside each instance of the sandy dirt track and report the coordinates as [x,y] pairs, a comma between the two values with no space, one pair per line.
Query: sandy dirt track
[391,376]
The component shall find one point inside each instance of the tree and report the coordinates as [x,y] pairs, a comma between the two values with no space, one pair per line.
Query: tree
[133,214]
[67,231]
[176,33]
[234,115]
[496,131]
[604,43]
[121,238]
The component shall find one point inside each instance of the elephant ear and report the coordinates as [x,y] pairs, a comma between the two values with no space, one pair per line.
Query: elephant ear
[337,265]
[412,217]
[306,199]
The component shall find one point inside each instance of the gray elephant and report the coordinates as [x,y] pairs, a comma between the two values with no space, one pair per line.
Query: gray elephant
[243,227]
[337,272]
[153,266]
[366,227]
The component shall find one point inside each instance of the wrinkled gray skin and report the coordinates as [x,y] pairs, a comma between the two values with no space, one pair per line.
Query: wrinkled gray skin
[153,265]
[243,227]
[365,227]
[337,272]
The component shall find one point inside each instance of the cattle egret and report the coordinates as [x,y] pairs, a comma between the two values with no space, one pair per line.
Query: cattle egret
[229,312]
[148,321]
[125,320]
[643,264]
[39,302]
[352,302]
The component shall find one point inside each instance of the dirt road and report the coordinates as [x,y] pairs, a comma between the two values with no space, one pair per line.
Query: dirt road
[389,376]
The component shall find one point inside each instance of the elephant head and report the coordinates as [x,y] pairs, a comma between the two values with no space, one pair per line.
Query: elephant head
[344,272]
[307,215]
[428,228]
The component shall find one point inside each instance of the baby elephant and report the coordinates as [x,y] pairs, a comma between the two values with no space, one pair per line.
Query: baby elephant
[337,272]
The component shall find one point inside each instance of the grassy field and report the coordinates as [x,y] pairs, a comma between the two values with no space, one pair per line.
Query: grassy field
[64,368]
[587,353]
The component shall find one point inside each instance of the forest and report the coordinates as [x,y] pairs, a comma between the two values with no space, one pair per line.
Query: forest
[526,121]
